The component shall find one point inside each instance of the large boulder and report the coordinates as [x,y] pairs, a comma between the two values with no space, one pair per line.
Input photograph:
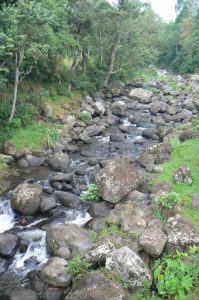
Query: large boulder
[119,108]
[8,244]
[68,240]
[188,134]
[152,241]
[141,95]
[96,287]
[59,161]
[181,234]
[99,209]
[116,180]
[26,198]
[54,273]
[130,266]
[35,161]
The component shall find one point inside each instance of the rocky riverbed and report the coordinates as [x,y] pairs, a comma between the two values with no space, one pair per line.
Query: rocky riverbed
[119,141]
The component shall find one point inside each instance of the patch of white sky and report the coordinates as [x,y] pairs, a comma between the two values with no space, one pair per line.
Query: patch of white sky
[164,8]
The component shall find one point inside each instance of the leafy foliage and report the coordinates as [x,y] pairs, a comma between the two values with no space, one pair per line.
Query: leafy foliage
[177,275]
[91,194]
[168,199]
[78,266]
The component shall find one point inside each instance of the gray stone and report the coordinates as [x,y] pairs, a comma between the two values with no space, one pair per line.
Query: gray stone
[119,108]
[68,240]
[99,210]
[24,294]
[146,160]
[8,244]
[153,241]
[150,133]
[54,273]
[116,180]
[188,134]
[181,234]
[23,163]
[35,161]
[133,225]
[26,198]
[96,287]
[59,161]
[130,266]
[183,175]
[47,204]
[141,95]
[67,177]
[68,199]
[97,256]
[93,130]
[6,158]
[51,293]
[158,106]
[9,148]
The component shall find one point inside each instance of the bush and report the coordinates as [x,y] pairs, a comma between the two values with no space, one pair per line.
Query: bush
[168,199]
[91,195]
[176,276]
[78,266]
[85,117]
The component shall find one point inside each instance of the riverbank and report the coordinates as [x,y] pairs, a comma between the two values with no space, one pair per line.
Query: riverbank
[120,141]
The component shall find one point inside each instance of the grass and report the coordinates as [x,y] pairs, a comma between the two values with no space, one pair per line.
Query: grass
[35,136]
[184,154]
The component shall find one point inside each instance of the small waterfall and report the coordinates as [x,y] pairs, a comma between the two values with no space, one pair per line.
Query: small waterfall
[7,216]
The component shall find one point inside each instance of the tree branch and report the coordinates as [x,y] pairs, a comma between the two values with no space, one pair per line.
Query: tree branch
[25,74]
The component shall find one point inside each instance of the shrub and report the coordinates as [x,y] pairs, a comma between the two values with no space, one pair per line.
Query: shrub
[85,117]
[177,275]
[91,195]
[78,266]
[168,199]
[113,230]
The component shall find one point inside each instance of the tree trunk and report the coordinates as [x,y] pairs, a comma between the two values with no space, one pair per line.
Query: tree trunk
[84,61]
[15,88]
[19,55]
[114,50]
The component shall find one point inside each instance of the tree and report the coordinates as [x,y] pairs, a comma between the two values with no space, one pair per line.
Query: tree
[25,25]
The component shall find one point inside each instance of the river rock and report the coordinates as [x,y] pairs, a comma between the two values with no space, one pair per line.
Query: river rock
[4,264]
[9,148]
[23,294]
[130,266]
[59,161]
[150,133]
[195,201]
[66,177]
[47,204]
[158,106]
[116,180]
[183,175]
[52,293]
[26,198]
[136,196]
[133,225]
[141,95]
[99,108]
[181,234]
[188,134]
[96,287]
[68,240]
[97,256]
[93,130]
[8,244]
[68,199]
[99,210]
[153,241]
[54,273]
[23,163]
[116,137]
[6,158]
[146,160]
[119,108]
[35,161]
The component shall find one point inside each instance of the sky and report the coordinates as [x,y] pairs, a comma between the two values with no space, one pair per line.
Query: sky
[164,8]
